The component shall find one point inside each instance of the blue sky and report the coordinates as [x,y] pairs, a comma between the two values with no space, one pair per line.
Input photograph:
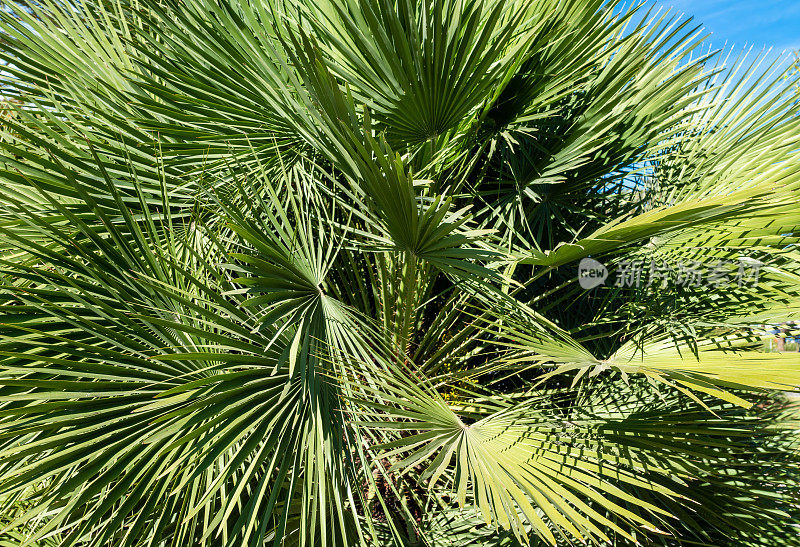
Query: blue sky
[770,23]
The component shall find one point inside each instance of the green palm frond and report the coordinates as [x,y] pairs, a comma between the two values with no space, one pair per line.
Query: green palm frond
[305,274]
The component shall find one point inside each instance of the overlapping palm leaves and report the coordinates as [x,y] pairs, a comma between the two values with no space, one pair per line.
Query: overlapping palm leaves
[304,274]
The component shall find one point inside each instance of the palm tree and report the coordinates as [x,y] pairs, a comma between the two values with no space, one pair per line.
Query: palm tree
[280,273]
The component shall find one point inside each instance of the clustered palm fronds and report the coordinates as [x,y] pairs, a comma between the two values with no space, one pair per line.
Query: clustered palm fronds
[306,273]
